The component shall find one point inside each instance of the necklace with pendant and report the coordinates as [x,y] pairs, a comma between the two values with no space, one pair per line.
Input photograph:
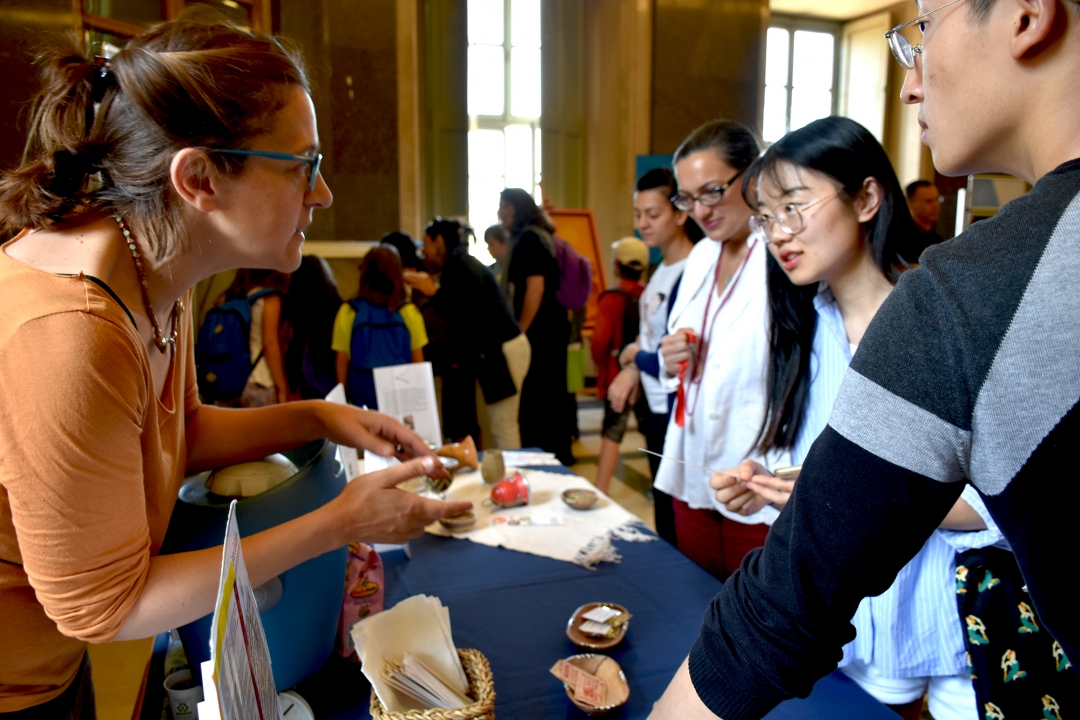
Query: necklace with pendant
[161,340]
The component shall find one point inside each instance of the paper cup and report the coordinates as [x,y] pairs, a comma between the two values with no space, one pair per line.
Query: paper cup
[184,695]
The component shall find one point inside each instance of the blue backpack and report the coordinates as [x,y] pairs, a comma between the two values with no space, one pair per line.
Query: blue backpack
[222,354]
[380,338]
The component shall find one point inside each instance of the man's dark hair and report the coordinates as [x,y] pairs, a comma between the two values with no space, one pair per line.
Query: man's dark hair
[913,188]
[629,273]
[405,247]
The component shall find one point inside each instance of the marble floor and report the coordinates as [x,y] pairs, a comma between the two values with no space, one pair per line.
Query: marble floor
[632,481]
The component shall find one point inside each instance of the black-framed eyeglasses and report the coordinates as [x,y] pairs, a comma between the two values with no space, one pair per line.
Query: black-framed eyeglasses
[788,217]
[314,161]
[902,49]
[712,196]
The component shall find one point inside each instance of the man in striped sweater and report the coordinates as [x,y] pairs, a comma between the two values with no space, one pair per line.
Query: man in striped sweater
[970,373]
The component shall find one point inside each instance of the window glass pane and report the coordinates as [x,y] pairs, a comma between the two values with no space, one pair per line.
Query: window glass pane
[525,82]
[776,57]
[483,203]
[487,94]
[486,24]
[809,105]
[774,125]
[103,44]
[140,12]
[813,62]
[486,167]
[519,157]
[525,23]
[478,247]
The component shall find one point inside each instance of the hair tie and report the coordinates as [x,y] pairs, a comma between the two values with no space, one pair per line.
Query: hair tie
[101,78]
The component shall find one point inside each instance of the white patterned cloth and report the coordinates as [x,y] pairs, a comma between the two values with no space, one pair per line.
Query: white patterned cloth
[583,537]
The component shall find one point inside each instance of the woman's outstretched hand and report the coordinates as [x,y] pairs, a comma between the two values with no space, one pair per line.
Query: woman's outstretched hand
[369,430]
[372,509]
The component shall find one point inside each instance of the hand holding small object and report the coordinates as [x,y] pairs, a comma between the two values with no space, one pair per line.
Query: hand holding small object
[733,489]
[367,430]
[776,490]
[372,509]
[676,349]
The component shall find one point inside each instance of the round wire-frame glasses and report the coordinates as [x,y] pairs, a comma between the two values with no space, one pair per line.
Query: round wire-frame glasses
[901,47]
[787,217]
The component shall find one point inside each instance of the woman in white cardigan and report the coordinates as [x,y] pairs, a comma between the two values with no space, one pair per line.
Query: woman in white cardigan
[715,355]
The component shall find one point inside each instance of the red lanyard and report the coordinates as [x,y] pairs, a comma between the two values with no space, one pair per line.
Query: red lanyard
[701,341]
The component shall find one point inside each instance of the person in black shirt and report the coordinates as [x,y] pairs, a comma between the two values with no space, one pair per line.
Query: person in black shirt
[924,201]
[532,279]
[967,374]
[483,342]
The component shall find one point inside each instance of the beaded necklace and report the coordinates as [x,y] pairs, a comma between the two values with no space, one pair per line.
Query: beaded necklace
[162,341]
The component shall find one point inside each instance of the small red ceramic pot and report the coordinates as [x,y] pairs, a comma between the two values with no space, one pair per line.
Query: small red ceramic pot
[511,491]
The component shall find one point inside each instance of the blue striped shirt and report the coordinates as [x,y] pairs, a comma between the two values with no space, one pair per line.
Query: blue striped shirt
[913,628]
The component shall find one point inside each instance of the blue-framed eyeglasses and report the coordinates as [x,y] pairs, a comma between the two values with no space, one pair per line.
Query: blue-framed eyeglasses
[314,161]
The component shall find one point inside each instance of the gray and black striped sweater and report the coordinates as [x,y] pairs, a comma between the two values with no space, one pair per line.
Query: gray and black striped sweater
[969,373]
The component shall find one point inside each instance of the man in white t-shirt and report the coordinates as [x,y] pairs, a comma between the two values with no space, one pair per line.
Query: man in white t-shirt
[663,226]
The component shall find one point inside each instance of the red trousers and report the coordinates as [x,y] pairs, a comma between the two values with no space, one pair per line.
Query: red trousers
[714,542]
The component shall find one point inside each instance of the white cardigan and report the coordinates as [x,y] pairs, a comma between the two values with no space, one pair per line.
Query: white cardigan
[720,432]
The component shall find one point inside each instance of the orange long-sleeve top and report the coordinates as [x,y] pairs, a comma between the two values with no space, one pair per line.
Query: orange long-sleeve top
[90,465]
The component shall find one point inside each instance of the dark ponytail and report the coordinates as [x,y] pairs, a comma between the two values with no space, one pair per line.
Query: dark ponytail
[58,159]
[846,152]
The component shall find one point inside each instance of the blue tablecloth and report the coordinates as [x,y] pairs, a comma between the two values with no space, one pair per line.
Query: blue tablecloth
[514,607]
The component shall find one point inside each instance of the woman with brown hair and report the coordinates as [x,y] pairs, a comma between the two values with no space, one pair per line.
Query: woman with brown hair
[377,328]
[193,151]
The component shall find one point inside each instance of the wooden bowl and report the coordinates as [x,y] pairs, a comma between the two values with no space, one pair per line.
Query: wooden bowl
[607,670]
[459,523]
[591,641]
[580,498]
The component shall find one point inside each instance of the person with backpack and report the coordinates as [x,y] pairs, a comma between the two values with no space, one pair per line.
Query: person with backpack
[617,322]
[377,328]
[239,353]
[532,281]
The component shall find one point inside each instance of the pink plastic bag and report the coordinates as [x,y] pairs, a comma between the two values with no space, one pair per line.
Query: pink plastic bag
[364,594]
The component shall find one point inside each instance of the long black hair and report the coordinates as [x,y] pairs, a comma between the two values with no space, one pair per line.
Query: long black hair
[846,152]
[526,211]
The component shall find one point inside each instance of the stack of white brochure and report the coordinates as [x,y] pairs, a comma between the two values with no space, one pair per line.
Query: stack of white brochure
[409,657]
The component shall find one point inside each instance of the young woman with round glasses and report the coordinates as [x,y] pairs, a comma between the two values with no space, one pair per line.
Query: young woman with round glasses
[194,150]
[835,216]
[714,355]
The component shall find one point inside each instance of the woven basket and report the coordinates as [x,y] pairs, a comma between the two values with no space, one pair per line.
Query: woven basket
[481,688]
